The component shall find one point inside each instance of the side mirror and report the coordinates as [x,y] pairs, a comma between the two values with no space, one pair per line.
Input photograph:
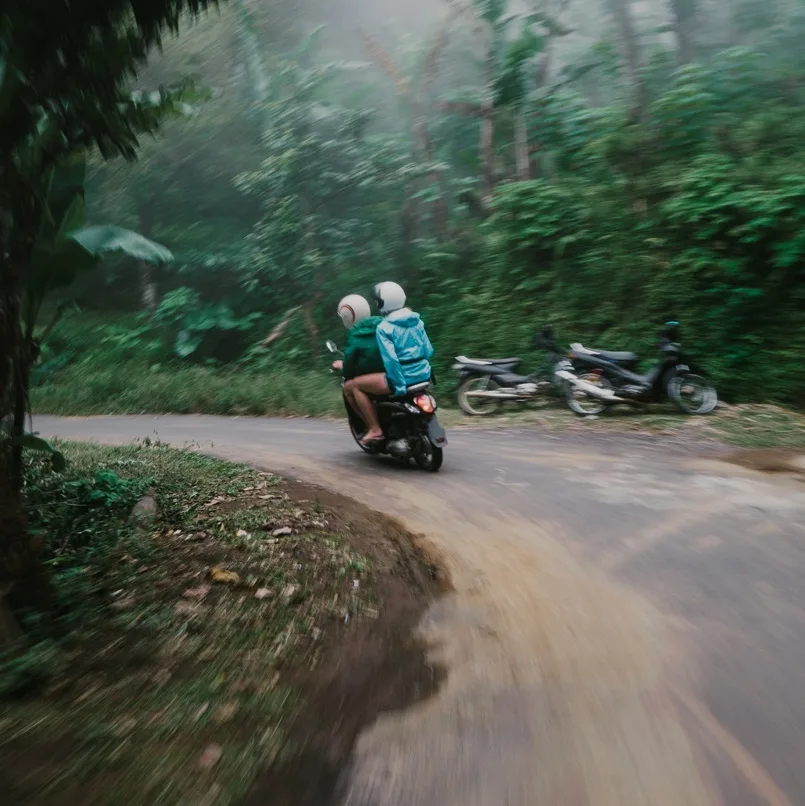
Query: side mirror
[331,346]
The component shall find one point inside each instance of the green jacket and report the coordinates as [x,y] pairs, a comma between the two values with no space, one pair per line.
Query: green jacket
[362,353]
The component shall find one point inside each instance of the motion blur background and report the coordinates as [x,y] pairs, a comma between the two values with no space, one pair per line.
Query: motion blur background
[601,165]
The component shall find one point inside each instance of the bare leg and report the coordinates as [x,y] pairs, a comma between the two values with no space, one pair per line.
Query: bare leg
[349,394]
[374,384]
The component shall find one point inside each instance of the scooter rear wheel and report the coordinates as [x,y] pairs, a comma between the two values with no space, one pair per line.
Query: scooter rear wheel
[579,402]
[431,458]
[477,406]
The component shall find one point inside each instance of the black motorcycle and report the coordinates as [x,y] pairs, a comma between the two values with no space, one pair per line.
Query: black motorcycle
[602,378]
[486,383]
[410,428]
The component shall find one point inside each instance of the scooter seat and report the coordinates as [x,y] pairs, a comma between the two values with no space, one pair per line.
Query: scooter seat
[462,359]
[624,358]
[607,355]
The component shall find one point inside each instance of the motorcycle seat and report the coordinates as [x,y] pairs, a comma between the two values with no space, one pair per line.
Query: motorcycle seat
[607,355]
[462,359]
[416,389]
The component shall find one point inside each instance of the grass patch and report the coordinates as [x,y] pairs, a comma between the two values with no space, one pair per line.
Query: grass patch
[744,426]
[93,387]
[157,684]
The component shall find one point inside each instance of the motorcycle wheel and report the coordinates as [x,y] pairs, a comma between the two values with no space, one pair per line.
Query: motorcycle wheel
[480,406]
[579,402]
[692,394]
[430,458]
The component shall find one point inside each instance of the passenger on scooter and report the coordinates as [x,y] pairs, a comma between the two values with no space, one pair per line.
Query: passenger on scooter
[405,349]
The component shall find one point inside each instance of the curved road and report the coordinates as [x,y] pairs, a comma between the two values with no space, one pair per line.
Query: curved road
[627,627]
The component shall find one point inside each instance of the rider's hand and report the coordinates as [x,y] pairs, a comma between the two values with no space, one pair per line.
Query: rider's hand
[337,365]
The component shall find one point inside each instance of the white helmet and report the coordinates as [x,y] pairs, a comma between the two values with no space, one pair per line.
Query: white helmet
[352,309]
[389,297]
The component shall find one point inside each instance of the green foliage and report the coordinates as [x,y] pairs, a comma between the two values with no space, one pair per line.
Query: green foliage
[183,313]
[694,212]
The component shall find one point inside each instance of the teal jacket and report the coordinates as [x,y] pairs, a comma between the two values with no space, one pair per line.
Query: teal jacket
[362,352]
[406,350]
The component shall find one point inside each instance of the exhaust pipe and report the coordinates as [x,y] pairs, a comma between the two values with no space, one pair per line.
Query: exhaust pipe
[592,389]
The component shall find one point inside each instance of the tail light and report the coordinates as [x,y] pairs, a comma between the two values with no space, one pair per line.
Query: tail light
[425,403]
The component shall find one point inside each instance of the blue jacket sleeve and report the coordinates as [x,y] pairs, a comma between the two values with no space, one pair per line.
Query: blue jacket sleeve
[389,355]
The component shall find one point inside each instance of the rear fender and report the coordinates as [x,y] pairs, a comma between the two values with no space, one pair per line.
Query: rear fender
[436,434]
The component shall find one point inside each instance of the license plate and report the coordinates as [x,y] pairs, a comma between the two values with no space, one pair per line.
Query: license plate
[437,434]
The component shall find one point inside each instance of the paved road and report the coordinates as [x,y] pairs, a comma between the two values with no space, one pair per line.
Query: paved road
[627,627]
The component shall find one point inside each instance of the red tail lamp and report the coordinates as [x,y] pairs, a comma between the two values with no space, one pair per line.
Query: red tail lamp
[425,403]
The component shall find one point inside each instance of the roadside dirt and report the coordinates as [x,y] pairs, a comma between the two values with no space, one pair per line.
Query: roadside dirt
[364,670]
[191,705]
[770,460]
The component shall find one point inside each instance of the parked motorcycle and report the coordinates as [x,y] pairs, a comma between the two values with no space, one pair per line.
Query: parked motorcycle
[602,378]
[410,428]
[486,383]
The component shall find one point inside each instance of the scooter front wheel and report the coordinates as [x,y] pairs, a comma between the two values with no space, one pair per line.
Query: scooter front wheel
[582,403]
[692,394]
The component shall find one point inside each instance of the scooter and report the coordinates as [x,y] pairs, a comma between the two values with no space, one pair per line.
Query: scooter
[411,431]
[486,383]
[600,379]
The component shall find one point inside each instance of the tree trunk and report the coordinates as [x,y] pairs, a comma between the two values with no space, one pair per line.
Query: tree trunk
[521,146]
[684,12]
[149,293]
[630,50]
[487,148]
[20,570]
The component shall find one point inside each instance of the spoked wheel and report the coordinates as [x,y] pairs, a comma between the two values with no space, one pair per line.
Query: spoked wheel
[693,394]
[430,457]
[469,400]
[582,403]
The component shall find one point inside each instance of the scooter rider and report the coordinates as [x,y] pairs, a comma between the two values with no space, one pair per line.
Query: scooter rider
[405,350]
[362,352]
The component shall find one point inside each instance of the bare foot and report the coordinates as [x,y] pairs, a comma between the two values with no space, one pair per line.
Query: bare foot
[372,436]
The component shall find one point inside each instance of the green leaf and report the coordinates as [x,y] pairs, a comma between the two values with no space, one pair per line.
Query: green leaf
[187,343]
[99,240]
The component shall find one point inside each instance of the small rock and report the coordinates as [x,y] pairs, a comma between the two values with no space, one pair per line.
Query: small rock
[263,593]
[285,530]
[210,757]
[145,511]
[197,593]
[243,533]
